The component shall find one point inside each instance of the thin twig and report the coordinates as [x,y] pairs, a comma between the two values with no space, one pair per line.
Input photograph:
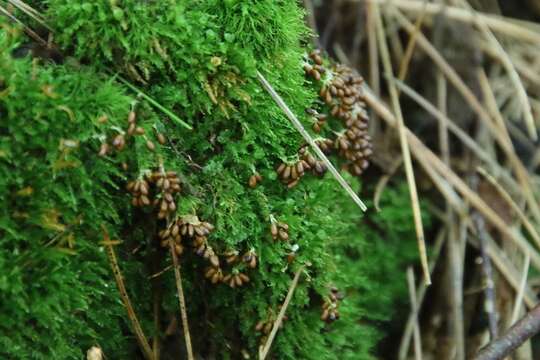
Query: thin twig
[421,292]
[181,300]
[522,286]
[489,290]
[512,73]
[506,197]
[383,48]
[496,23]
[504,266]
[414,310]
[523,330]
[294,120]
[405,62]
[279,319]
[420,151]
[139,334]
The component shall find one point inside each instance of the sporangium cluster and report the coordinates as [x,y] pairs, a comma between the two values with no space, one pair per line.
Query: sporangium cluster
[341,91]
[264,327]
[156,188]
[330,306]
[118,141]
[279,230]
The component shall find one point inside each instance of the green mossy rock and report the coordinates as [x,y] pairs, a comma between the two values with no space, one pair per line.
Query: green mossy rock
[198,59]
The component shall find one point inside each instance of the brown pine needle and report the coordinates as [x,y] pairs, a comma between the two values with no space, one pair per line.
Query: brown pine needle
[504,195]
[499,24]
[298,125]
[139,334]
[279,319]
[383,48]
[405,62]
[181,301]
[421,151]
[414,307]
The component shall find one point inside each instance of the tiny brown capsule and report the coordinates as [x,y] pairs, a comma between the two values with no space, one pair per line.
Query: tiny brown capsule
[245,279]
[150,145]
[259,325]
[252,181]
[131,129]
[179,249]
[210,272]
[283,235]
[139,130]
[125,166]
[166,184]
[274,230]
[300,168]
[163,206]
[238,280]
[104,149]
[172,206]
[293,183]
[215,278]
[287,172]
[130,185]
[214,260]
[144,200]
[132,117]
[268,327]
[191,230]
[281,168]
[294,173]
[161,138]
[119,142]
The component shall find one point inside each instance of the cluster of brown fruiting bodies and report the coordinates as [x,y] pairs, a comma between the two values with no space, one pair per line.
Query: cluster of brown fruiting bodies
[156,189]
[118,141]
[330,306]
[341,92]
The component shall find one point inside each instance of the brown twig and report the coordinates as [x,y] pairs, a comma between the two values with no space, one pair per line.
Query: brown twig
[264,352]
[414,309]
[181,300]
[524,329]
[298,125]
[489,290]
[383,48]
[139,334]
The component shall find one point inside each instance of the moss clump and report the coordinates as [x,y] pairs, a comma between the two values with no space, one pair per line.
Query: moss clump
[197,59]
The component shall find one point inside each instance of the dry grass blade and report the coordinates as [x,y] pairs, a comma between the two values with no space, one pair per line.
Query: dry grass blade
[294,120]
[414,306]
[27,30]
[420,294]
[139,335]
[456,130]
[404,148]
[504,266]
[528,225]
[405,62]
[181,301]
[498,24]
[487,271]
[473,102]
[521,292]
[511,70]
[421,151]
[31,12]
[279,319]
[521,172]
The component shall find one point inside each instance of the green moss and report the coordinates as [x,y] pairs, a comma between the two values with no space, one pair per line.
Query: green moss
[198,59]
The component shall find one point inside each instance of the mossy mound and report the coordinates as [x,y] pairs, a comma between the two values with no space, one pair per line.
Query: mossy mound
[198,59]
